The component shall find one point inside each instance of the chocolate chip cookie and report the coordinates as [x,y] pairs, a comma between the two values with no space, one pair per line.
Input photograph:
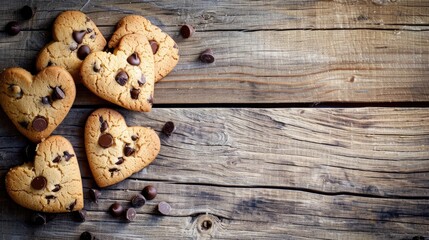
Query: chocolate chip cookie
[51,183]
[116,151]
[124,77]
[164,49]
[36,104]
[75,36]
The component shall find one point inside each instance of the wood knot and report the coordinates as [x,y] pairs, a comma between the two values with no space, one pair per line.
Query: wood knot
[206,224]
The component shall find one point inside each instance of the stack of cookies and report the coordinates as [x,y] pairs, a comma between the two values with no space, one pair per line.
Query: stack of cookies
[139,55]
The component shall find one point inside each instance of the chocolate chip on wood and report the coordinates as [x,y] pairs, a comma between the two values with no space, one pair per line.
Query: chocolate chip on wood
[164,208]
[187,31]
[207,56]
[94,195]
[138,201]
[13,28]
[116,209]
[27,12]
[149,192]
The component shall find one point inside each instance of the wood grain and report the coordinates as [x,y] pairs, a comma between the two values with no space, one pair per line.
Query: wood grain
[276,52]
[358,173]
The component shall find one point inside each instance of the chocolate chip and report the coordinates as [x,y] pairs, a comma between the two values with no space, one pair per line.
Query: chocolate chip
[96,67]
[175,46]
[164,208]
[89,30]
[142,81]
[128,151]
[121,78]
[30,152]
[79,216]
[105,140]
[133,59]
[135,93]
[45,100]
[58,94]
[13,28]
[101,119]
[38,218]
[39,124]
[116,209]
[207,56]
[168,128]
[67,156]
[149,192]
[83,51]
[94,194]
[78,36]
[72,205]
[134,137]
[23,124]
[92,36]
[154,45]
[112,171]
[57,159]
[186,31]
[27,12]
[38,183]
[104,126]
[131,214]
[120,161]
[49,64]
[50,197]
[86,236]
[138,201]
[57,188]
[15,91]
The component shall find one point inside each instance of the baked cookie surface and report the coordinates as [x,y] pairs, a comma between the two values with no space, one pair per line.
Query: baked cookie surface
[116,151]
[164,48]
[124,77]
[36,104]
[52,183]
[74,36]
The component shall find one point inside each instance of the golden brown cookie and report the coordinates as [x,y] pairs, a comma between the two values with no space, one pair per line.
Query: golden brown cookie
[52,183]
[36,104]
[165,50]
[75,36]
[125,77]
[116,151]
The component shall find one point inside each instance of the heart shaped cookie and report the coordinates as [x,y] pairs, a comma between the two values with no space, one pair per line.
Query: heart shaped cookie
[165,50]
[75,36]
[125,77]
[116,151]
[52,183]
[36,104]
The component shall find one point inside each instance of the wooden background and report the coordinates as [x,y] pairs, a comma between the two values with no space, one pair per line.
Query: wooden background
[312,122]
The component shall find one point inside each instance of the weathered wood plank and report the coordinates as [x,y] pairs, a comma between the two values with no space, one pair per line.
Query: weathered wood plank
[338,58]
[365,151]
[244,213]
[240,15]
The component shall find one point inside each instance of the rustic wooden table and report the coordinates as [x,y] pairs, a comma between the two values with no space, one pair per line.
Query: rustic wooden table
[312,122]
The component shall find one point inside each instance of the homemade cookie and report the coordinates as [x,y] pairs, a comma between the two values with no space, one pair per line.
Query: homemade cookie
[75,36]
[52,183]
[116,151]
[165,50]
[36,104]
[125,77]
